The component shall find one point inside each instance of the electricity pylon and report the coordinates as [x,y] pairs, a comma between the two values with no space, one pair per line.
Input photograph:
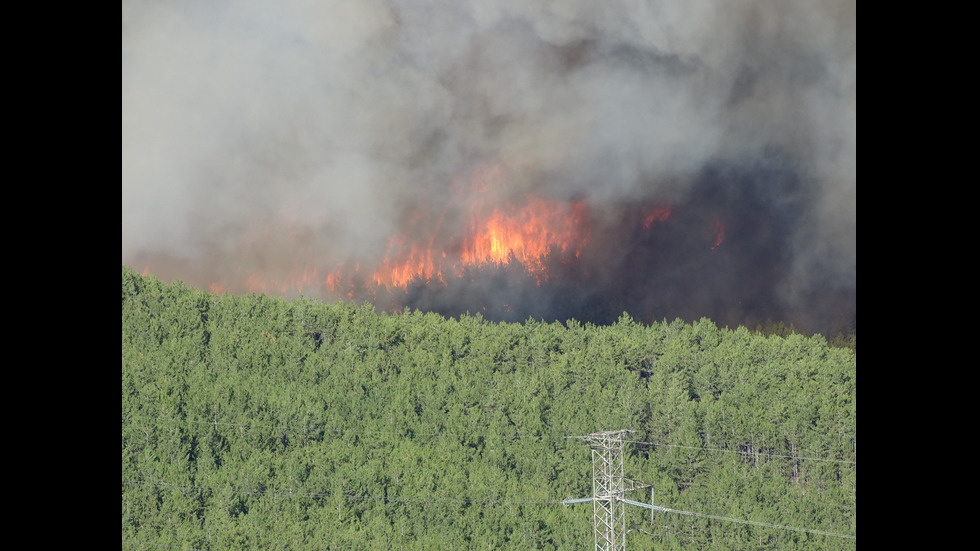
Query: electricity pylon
[608,512]
[609,490]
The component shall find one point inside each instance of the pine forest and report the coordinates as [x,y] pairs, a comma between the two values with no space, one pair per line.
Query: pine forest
[257,422]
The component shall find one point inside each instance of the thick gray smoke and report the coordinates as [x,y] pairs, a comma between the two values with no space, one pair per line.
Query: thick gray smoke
[278,137]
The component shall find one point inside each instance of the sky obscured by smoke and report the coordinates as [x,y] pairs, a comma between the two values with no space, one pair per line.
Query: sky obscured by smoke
[272,137]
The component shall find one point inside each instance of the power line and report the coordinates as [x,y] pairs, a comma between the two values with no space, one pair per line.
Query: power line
[457,500]
[350,497]
[163,545]
[746,454]
[764,524]
[609,495]
[413,434]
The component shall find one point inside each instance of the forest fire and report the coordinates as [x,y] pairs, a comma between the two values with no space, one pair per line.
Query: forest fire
[527,234]
[527,162]
[531,235]
[509,255]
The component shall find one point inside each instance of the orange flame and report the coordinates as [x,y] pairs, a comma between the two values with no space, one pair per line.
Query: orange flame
[418,263]
[337,283]
[307,279]
[527,234]
[658,213]
[719,234]
[530,231]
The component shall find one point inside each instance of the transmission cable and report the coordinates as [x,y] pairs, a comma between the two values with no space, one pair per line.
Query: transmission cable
[464,435]
[350,497]
[748,454]
[757,523]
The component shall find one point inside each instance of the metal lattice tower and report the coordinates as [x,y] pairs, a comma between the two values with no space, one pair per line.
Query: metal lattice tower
[608,509]
[609,490]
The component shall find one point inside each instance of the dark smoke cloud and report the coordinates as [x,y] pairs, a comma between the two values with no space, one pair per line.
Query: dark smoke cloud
[274,137]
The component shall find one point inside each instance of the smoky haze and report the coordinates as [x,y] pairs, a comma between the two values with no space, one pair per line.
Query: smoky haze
[271,139]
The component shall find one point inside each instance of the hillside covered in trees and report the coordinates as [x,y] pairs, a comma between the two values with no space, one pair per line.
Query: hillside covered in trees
[252,422]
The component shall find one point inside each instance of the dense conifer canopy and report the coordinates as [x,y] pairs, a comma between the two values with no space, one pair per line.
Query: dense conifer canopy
[253,422]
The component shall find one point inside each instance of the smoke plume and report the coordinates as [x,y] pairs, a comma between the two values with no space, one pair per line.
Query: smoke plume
[273,145]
